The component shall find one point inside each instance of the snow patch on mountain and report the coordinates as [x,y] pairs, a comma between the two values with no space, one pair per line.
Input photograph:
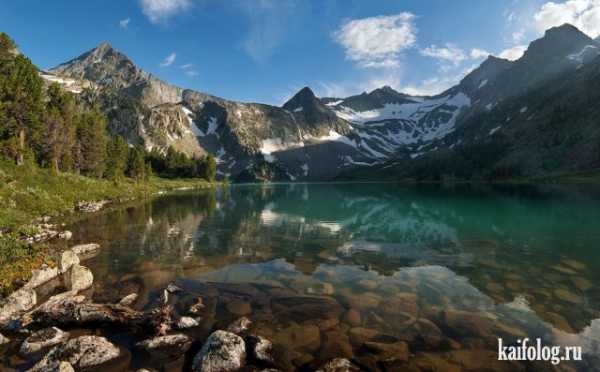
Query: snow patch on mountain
[190,115]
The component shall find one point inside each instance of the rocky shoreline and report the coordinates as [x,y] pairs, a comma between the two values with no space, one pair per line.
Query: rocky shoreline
[32,320]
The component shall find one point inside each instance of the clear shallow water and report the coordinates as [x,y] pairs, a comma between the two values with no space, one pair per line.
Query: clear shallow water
[322,270]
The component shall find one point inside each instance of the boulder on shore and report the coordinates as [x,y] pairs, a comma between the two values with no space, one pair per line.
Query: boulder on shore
[222,352]
[260,349]
[79,278]
[83,352]
[18,302]
[85,251]
[41,276]
[41,340]
[66,260]
[166,347]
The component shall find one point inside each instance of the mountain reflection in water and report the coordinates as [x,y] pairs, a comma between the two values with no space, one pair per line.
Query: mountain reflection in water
[445,270]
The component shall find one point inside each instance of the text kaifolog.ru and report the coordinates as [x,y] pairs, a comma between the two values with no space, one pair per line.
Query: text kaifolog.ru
[524,350]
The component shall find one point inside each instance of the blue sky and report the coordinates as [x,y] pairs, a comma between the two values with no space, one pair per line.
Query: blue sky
[266,50]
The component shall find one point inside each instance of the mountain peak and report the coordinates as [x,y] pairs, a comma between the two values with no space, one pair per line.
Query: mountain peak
[386,89]
[557,41]
[565,28]
[304,98]
[105,45]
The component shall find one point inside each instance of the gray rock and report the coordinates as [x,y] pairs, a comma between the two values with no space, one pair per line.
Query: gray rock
[222,352]
[338,365]
[129,300]
[18,302]
[79,278]
[66,235]
[239,326]
[187,322]
[66,260]
[81,352]
[197,307]
[259,348]
[3,340]
[41,276]
[91,206]
[166,347]
[172,288]
[85,251]
[42,340]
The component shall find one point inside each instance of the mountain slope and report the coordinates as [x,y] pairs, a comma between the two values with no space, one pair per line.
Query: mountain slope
[255,141]
[550,126]
[368,134]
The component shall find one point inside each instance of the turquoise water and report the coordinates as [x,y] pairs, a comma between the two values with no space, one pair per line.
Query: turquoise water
[324,269]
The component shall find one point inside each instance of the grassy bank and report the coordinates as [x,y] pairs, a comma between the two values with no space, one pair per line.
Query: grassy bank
[28,192]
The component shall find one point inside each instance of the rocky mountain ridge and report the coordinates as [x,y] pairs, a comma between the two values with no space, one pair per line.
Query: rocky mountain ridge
[309,138]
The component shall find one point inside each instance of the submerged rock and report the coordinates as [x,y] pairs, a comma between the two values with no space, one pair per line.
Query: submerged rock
[239,307]
[197,307]
[338,365]
[187,322]
[352,317]
[395,351]
[166,347]
[222,352]
[79,278]
[81,352]
[173,288]
[129,300]
[239,326]
[18,302]
[41,340]
[259,348]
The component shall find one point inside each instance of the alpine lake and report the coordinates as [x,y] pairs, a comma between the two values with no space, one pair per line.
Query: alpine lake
[392,277]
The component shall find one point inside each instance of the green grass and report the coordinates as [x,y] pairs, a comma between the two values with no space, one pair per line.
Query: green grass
[28,192]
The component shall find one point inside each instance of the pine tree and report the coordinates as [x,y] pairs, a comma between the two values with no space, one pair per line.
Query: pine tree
[136,164]
[148,172]
[210,169]
[21,102]
[116,158]
[59,130]
[91,147]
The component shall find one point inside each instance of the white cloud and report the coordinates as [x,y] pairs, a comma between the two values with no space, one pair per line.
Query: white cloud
[269,20]
[124,23]
[477,53]
[449,53]
[583,14]
[159,11]
[513,53]
[169,60]
[189,69]
[376,42]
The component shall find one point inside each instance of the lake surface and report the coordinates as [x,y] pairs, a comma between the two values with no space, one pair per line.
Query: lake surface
[338,270]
